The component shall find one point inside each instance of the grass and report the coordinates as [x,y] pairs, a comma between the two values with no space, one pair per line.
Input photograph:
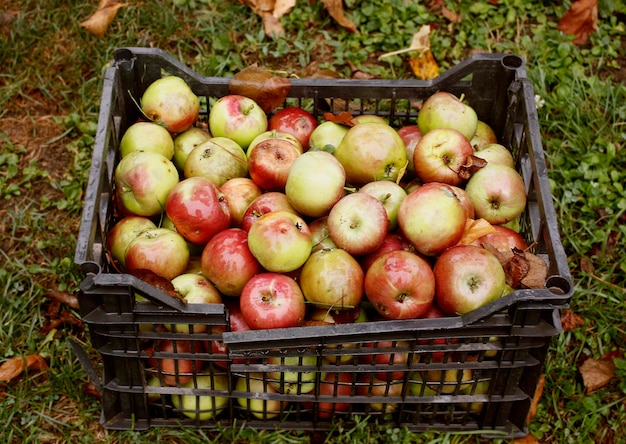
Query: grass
[50,92]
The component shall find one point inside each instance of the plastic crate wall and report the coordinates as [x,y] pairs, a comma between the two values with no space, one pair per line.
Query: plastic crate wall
[502,346]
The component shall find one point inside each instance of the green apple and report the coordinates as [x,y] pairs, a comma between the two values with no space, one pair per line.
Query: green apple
[147,136]
[203,407]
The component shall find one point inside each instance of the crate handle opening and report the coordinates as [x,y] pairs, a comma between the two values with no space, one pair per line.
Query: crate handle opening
[558,285]
[512,62]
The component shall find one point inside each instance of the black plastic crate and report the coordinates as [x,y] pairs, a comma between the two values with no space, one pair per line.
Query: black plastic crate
[474,372]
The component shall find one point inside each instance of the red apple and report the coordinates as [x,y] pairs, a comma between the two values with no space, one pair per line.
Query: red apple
[198,209]
[371,151]
[170,102]
[265,203]
[162,251]
[498,193]
[432,218]
[147,136]
[410,135]
[273,135]
[237,117]
[393,241]
[441,155]
[332,279]
[320,237]
[504,239]
[445,110]
[331,387]
[217,159]
[466,278]
[227,261]
[272,300]
[143,180]
[239,193]
[312,172]
[270,161]
[295,121]
[358,223]
[237,322]
[391,196]
[125,230]
[185,142]
[176,371]
[280,241]
[383,360]
[400,285]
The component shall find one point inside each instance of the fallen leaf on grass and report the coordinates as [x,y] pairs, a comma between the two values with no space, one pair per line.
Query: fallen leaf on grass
[423,63]
[532,411]
[580,20]
[266,89]
[571,320]
[100,20]
[270,12]
[528,439]
[64,298]
[15,366]
[596,373]
[335,9]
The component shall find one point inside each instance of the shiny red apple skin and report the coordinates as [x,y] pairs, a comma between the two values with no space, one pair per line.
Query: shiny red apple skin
[296,121]
[272,300]
[160,250]
[270,161]
[198,209]
[333,385]
[239,193]
[504,239]
[400,285]
[265,203]
[227,261]
[393,241]
[176,371]
[386,359]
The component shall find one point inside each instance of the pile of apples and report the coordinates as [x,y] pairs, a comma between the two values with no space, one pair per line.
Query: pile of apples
[293,221]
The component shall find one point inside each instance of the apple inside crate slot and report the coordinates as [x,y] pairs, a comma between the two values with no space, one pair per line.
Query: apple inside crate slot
[348,248]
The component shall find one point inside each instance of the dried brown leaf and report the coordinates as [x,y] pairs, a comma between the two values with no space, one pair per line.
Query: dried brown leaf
[92,390]
[452,16]
[586,265]
[516,268]
[596,373]
[100,20]
[343,118]
[335,9]
[522,268]
[165,285]
[571,320]
[424,66]
[15,366]
[472,165]
[357,73]
[64,298]
[537,273]
[528,439]
[532,411]
[475,229]
[580,20]
[266,89]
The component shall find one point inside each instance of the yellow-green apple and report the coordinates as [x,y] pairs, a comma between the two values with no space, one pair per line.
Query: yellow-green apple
[194,289]
[390,194]
[495,153]
[239,193]
[200,406]
[296,121]
[466,278]
[147,136]
[280,241]
[259,400]
[332,279]
[320,238]
[441,155]
[327,136]
[358,223]
[449,381]
[382,391]
[432,218]
[272,300]
[293,374]
[143,180]
[217,159]
[365,118]
[237,117]
[445,110]
[162,251]
[371,151]
[176,370]
[185,142]
[383,356]
[498,193]
[227,261]
[125,230]
[484,135]
[270,161]
[265,203]
[418,385]
[198,209]
[464,199]
[312,172]
[170,102]
[400,285]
